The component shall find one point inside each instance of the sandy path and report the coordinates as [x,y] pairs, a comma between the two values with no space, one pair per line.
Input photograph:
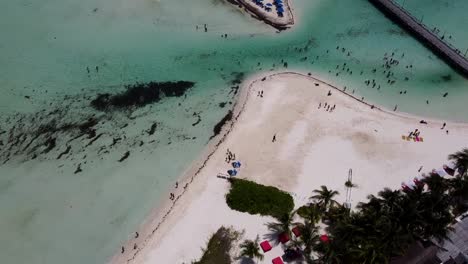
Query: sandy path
[313,147]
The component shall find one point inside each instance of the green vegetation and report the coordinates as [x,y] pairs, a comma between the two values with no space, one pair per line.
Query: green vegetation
[387,224]
[281,226]
[311,212]
[324,198]
[218,247]
[251,249]
[250,197]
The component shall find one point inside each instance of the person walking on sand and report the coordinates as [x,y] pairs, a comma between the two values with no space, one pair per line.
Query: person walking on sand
[443,126]
[274,138]
[320,105]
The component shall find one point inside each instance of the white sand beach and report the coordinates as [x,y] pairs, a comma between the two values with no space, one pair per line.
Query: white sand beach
[313,147]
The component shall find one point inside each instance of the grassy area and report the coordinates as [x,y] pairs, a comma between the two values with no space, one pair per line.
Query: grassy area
[218,247]
[250,197]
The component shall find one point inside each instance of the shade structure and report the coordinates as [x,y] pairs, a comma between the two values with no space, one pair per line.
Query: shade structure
[277,260]
[450,171]
[284,237]
[232,172]
[324,238]
[265,245]
[418,181]
[441,172]
[296,231]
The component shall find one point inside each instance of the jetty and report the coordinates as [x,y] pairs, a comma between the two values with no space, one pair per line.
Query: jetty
[443,50]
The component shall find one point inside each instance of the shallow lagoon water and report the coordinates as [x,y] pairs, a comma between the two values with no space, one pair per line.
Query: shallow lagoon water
[49,214]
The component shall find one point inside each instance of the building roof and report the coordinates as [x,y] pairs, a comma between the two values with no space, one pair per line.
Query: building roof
[456,247]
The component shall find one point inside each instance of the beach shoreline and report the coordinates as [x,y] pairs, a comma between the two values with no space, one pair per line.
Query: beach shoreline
[157,226]
[158,215]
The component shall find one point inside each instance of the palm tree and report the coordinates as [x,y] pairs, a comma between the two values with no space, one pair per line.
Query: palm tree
[458,193]
[250,249]
[308,239]
[369,253]
[311,212]
[281,226]
[324,197]
[436,183]
[460,158]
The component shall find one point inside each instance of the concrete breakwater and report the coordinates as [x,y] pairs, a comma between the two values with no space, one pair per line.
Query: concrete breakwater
[451,55]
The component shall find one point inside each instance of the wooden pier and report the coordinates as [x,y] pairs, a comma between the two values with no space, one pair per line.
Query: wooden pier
[451,55]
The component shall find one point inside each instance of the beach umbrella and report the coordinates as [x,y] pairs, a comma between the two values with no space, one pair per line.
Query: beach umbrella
[284,237]
[296,231]
[236,164]
[449,170]
[324,238]
[232,172]
[410,184]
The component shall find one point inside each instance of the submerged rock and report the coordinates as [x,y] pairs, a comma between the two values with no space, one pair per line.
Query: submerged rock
[217,128]
[125,156]
[139,95]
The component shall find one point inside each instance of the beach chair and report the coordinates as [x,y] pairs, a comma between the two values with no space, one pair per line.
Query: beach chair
[277,260]
[265,246]
[408,138]
[421,139]
[403,137]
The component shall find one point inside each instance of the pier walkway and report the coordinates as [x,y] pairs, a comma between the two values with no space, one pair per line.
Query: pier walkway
[451,55]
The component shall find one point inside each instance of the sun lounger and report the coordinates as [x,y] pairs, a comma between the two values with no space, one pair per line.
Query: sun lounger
[265,245]
[296,231]
[277,260]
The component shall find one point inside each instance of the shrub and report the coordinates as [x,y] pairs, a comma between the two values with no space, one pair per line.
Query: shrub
[250,197]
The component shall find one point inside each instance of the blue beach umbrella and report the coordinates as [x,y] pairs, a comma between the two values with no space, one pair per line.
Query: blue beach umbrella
[236,164]
[232,172]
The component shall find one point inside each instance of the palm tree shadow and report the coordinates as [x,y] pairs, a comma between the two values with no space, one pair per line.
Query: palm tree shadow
[245,260]
[273,238]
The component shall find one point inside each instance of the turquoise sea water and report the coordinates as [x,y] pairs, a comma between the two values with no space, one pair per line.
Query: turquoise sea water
[49,214]
[433,13]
